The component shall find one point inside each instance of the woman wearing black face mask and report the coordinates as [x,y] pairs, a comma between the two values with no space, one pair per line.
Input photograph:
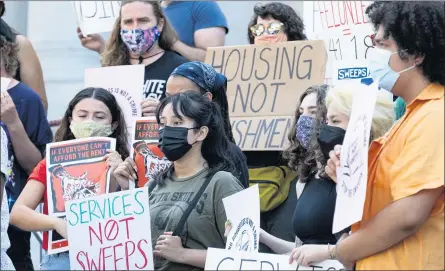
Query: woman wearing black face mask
[187,213]
[339,103]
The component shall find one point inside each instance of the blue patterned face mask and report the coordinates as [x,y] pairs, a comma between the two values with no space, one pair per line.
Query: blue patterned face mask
[305,126]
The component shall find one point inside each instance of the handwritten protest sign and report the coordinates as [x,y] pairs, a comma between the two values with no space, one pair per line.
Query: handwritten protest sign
[96,16]
[264,85]
[245,232]
[221,259]
[75,170]
[344,27]
[148,157]
[352,175]
[110,232]
[346,71]
[125,83]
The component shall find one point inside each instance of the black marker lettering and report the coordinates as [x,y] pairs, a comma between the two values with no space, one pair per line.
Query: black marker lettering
[267,64]
[221,66]
[308,74]
[251,65]
[276,94]
[289,65]
[253,95]
[227,258]
[237,65]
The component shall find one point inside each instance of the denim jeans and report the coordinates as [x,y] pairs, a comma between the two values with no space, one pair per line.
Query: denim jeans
[60,261]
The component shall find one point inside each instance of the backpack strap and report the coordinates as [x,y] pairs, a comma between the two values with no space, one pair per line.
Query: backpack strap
[192,205]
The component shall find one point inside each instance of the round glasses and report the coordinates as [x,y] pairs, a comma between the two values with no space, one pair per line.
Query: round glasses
[260,29]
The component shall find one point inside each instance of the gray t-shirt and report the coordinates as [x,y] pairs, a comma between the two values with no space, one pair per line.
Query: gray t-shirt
[205,225]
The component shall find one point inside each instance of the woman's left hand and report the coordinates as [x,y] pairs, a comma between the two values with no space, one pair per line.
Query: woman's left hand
[113,159]
[308,254]
[169,247]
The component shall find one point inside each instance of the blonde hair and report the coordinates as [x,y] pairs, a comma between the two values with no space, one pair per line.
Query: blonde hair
[116,52]
[340,97]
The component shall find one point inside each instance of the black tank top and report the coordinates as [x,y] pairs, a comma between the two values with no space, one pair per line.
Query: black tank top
[314,213]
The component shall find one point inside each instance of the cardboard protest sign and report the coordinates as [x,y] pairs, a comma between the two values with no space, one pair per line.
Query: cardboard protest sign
[346,71]
[96,16]
[344,27]
[110,232]
[245,232]
[148,157]
[221,259]
[352,176]
[125,83]
[75,170]
[264,85]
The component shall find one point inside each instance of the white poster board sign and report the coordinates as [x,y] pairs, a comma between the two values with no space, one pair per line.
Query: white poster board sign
[352,175]
[96,16]
[109,232]
[245,232]
[344,27]
[221,259]
[125,83]
[4,84]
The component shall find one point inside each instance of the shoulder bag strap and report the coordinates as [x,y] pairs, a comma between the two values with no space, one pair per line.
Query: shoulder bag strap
[191,206]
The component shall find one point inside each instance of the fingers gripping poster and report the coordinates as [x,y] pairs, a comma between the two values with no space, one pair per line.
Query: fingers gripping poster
[352,175]
[110,232]
[146,154]
[75,170]
[96,16]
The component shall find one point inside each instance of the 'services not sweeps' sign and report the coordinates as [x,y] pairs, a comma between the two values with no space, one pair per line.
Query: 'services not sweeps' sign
[220,259]
[110,232]
[96,16]
[264,84]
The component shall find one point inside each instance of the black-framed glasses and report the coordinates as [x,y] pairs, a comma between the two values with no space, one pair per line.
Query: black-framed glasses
[272,29]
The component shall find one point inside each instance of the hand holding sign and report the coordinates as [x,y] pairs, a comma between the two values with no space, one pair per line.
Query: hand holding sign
[61,227]
[93,42]
[333,163]
[169,247]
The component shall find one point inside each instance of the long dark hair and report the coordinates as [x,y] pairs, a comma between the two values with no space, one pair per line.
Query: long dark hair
[303,161]
[100,94]
[293,24]
[116,52]
[203,112]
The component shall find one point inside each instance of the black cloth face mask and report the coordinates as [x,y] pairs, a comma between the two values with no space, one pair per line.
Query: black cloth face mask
[173,142]
[329,137]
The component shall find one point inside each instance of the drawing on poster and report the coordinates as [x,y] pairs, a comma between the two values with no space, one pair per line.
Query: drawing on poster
[353,172]
[110,232]
[148,157]
[344,27]
[223,259]
[263,86]
[75,170]
[96,16]
[244,235]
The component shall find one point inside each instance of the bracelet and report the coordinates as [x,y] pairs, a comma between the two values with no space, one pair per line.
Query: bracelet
[331,250]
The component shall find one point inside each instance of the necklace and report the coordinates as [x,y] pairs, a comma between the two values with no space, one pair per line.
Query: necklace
[142,58]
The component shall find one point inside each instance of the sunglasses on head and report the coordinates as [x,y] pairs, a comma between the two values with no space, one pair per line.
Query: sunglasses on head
[272,29]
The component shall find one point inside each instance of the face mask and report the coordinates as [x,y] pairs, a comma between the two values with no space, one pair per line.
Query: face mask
[329,137]
[173,142]
[378,63]
[140,41]
[304,129]
[90,129]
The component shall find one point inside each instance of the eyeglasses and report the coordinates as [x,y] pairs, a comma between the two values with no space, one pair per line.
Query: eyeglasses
[272,29]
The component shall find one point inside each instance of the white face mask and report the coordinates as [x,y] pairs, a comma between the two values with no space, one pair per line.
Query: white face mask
[90,129]
[378,64]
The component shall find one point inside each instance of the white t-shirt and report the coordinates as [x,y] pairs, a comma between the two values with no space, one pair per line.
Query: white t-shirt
[5,262]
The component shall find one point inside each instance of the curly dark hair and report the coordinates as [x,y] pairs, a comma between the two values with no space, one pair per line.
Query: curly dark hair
[293,24]
[9,55]
[303,161]
[120,133]
[418,28]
